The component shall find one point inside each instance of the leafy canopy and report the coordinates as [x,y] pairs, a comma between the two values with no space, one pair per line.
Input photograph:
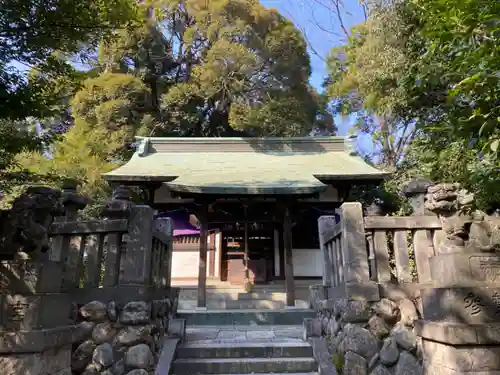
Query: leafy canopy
[222,67]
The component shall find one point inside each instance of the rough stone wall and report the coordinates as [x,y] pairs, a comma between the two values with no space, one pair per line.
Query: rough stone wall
[118,340]
[371,338]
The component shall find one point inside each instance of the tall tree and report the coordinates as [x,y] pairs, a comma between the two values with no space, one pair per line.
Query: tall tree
[36,40]
[366,79]
[221,67]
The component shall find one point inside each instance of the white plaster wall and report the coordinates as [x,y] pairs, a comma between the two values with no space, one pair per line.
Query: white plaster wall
[307,262]
[218,243]
[185,264]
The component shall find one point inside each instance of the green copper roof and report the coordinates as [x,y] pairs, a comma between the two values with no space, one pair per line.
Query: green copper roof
[245,165]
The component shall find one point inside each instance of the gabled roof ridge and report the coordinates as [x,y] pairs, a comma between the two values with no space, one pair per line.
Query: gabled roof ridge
[238,144]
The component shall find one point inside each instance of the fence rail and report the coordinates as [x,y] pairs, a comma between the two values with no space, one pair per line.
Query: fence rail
[333,245]
[400,247]
[111,253]
[376,248]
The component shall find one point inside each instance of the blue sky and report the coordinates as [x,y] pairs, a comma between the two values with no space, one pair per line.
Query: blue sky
[307,15]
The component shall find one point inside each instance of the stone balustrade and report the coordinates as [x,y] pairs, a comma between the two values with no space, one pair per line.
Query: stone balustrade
[98,302]
[420,295]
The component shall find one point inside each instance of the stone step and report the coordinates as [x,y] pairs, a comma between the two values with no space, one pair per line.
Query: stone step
[192,366]
[276,294]
[245,317]
[245,350]
[279,373]
[246,303]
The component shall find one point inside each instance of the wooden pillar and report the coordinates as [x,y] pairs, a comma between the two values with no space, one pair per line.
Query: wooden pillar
[287,240]
[202,216]
[247,272]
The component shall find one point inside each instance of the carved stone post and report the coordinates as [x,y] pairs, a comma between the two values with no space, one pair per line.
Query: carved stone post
[354,256]
[326,223]
[461,312]
[423,248]
[136,261]
[416,191]
[35,330]
[118,207]
[72,201]
[69,205]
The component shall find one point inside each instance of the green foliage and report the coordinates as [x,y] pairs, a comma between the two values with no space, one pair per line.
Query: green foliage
[338,361]
[422,77]
[112,101]
[462,44]
[366,77]
[82,154]
[37,39]
[32,31]
[222,67]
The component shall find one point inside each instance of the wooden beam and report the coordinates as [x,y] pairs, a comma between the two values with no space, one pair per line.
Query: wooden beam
[287,240]
[202,267]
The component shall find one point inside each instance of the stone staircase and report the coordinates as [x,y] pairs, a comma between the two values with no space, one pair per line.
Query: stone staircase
[225,296]
[244,333]
[228,349]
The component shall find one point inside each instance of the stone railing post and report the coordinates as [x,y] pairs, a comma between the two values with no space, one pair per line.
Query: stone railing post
[461,311]
[415,191]
[355,254]
[423,249]
[136,260]
[326,223]
[165,226]
[70,203]
[354,243]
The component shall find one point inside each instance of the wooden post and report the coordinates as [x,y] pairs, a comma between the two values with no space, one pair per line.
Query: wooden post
[245,259]
[202,270]
[287,239]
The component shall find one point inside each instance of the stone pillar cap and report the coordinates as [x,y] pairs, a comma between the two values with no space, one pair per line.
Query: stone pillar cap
[417,186]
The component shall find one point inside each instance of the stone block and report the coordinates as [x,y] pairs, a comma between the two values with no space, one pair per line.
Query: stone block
[354,364]
[407,365]
[26,312]
[461,358]
[366,290]
[473,305]
[459,333]
[56,360]
[49,362]
[312,328]
[26,364]
[36,341]
[461,269]
[177,328]
[356,311]
[27,277]
[322,356]
[359,340]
